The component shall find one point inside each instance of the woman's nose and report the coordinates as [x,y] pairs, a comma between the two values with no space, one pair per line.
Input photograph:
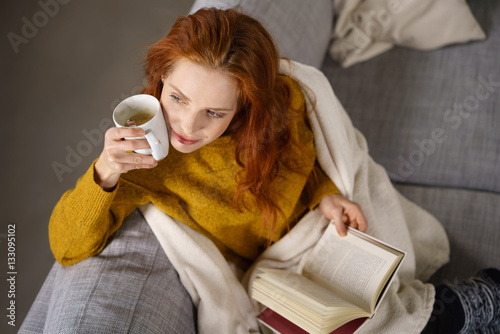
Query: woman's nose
[191,123]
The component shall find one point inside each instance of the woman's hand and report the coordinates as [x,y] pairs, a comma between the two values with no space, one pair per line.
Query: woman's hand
[118,157]
[343,212]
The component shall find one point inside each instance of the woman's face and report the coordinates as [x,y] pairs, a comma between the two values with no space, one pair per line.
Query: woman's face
[198,104]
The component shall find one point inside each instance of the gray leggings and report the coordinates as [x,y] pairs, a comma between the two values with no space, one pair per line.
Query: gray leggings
[130,287]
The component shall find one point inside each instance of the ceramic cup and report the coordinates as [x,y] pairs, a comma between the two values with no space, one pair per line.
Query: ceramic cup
[155,128]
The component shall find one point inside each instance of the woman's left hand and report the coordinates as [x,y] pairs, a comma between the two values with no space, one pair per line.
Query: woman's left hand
[343,212]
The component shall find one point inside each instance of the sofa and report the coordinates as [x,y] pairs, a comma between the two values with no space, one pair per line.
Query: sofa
[426,95]
[429,115]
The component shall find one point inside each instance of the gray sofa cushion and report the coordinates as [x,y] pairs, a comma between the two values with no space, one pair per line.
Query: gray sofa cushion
[130,287]
[300,29]
[431,117]
[471,219]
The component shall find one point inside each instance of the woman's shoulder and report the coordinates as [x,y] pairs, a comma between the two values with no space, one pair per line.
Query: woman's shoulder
[297,114]
[297,96]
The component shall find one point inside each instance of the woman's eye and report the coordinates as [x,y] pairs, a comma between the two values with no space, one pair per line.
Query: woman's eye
[214,114]
[176,98]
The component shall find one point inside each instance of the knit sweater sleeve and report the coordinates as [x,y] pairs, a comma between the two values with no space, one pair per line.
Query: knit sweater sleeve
[85,217]
[318,186]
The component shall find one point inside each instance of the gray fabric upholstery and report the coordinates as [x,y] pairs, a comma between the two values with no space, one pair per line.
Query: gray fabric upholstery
[407,103]
[130,287]
[472,222]
[300,28]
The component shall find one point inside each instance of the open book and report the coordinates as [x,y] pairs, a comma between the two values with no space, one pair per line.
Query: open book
[343,280]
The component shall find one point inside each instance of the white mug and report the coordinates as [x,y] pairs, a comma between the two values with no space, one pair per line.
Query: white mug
[155,129]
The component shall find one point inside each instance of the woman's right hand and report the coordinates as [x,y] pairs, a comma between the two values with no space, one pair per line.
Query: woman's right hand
[118,157]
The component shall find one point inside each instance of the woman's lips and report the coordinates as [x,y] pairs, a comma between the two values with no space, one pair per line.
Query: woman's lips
[184,140]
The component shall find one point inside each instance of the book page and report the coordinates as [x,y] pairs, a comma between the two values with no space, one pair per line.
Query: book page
[302,301]
[292,282]
[352,267]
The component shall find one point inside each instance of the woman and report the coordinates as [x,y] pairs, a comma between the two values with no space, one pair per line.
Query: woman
[242,169]
[227,110]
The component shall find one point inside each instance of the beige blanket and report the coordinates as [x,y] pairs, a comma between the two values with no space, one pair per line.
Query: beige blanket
[222,298]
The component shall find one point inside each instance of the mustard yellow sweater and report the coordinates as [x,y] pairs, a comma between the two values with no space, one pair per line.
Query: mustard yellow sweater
[195,188]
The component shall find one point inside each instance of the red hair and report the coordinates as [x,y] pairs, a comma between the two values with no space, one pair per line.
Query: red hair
[240,47]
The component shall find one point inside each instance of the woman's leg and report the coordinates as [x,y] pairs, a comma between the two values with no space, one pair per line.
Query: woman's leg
[471,306]
[448,315]
[130,287]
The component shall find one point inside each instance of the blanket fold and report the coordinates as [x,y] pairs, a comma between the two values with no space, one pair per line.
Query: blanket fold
[223,301]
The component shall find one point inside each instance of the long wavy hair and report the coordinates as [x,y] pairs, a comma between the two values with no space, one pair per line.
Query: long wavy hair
[240,47]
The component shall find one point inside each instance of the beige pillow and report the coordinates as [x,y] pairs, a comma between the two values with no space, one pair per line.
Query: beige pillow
[366,28]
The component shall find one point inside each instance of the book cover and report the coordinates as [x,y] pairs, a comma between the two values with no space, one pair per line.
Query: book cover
[276,324]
